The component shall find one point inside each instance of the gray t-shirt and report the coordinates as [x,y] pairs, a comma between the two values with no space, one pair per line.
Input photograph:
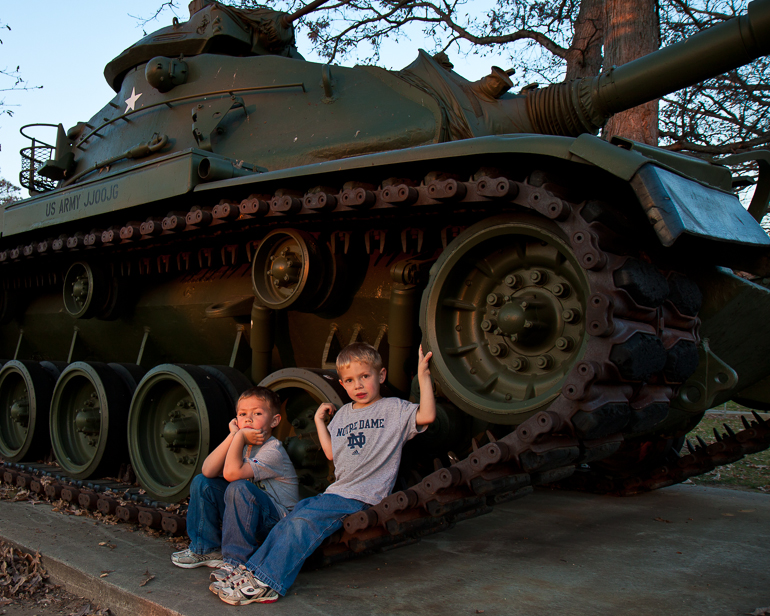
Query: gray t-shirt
[274,473]
[366,446]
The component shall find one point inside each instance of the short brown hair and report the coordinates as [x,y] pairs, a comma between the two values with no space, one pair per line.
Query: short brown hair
[266,395]
[359,351]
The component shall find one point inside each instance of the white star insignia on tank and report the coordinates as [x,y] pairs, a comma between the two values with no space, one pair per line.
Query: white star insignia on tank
[131,101]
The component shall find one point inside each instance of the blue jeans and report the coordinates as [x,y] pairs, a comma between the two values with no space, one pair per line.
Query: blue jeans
[279,559]
[234,517]
[249,516]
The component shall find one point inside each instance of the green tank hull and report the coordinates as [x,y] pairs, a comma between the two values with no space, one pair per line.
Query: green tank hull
[236,215]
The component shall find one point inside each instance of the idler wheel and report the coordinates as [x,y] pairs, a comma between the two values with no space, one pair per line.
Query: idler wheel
[288,269]
[86,291]
[89,410]
[25,398]
[503,313]
[301,391]
[177,414]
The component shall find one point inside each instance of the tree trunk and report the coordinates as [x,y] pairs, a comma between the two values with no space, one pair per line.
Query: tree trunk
[631,30]
[584,57]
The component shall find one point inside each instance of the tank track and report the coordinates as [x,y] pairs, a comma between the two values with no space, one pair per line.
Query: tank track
[466,489]
[642,332]
[108,496]
[701,458]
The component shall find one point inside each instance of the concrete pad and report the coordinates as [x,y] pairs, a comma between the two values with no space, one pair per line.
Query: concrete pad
[682,550]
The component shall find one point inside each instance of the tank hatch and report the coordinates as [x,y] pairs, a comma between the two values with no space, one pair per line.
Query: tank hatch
[212,28]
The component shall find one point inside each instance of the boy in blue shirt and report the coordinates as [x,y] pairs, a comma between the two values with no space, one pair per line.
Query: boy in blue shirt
[364,439]
[247,484]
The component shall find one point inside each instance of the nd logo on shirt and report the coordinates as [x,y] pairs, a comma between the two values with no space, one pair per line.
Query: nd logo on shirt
[357,440]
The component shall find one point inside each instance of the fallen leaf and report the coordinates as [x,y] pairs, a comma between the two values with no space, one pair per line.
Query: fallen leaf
[103,575]
[746,510]
[85,610]
[479,611]
[761,611]
[149,577]
[729,515]
[662,520]
[152,577]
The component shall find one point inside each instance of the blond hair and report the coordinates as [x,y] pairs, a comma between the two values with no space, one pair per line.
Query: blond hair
[361,352]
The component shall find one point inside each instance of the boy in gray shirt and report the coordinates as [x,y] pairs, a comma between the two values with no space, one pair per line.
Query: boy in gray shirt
[364,438]
[246,486]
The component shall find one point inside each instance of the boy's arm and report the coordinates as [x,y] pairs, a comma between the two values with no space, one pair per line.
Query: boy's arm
[235,467]
[215,461]
[426,414]
[323,431]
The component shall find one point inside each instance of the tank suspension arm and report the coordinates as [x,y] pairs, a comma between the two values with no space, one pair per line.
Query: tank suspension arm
[585,105]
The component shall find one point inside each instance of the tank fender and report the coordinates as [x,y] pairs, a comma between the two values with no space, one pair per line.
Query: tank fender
[674,204]
[619,162]
[536,145]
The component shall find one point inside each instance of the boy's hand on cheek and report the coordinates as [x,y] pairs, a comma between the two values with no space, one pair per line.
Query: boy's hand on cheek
[253,437]
[233,425]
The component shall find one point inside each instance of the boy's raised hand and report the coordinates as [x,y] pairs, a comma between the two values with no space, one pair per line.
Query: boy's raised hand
[253,436]
[325,410]
[422,365]
[233,425]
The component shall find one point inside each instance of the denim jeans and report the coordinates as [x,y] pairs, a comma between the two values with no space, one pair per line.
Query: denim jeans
[249,516]
[238,513]
[279,559]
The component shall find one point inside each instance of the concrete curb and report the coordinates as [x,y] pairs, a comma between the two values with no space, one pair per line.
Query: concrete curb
[684,550]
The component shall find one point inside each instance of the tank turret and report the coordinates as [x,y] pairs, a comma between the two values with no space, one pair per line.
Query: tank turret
[237,75]
[212,28]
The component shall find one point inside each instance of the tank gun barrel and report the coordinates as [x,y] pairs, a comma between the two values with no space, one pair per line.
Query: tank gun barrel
[584,105]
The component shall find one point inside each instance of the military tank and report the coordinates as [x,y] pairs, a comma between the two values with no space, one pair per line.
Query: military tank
[236,215]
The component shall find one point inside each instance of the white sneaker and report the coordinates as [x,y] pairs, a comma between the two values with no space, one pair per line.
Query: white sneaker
[187,559]
[243,588]
[225,570]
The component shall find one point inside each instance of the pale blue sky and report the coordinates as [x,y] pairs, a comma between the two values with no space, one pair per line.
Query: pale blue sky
[64,47]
